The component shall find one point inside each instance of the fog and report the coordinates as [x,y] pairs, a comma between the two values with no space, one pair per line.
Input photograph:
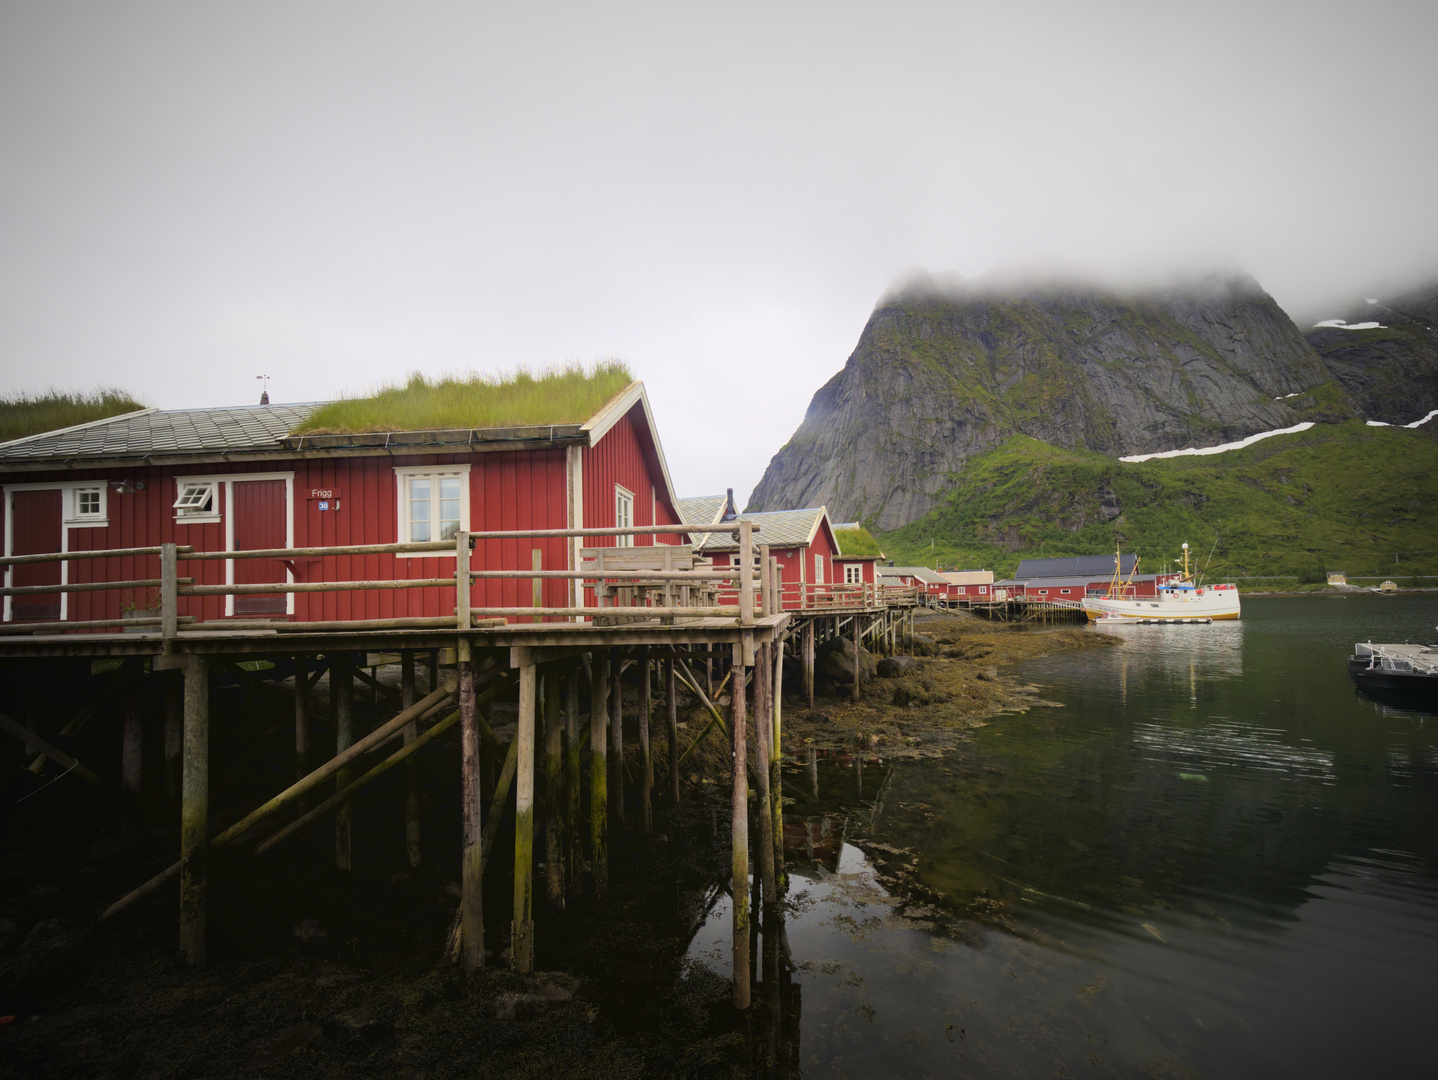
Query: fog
[334,194]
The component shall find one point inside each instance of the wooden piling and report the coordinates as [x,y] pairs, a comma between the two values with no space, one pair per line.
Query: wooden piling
[132,740]
[646,771]
[598,774]
[616,736]
[342,691]
[776,774]
[739,836]
[195,811]
[573,832]
[471,864]
[671,702]
[411,764]
[806,641]
[856,657]
[763,718]
[173,684]
[302,715]
[554,800]
[522,928]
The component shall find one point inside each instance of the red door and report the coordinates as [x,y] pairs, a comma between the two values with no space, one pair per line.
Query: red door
[36,531]
[259,520]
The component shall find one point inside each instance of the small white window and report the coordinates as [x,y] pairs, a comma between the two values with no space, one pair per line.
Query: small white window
[623,515]
[197,501]
[983,588]
[1063,590]
[433,504]
[86,506]
[818,569]
[853,574]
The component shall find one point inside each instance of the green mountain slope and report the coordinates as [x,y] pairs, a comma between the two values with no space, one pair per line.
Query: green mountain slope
[1338,496]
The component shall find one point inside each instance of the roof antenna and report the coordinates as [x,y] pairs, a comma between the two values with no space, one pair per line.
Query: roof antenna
[264,389]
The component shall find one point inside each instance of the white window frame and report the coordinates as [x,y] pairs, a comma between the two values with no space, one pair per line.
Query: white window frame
[402,476]
[819,570]
[76,520]
[204,517]
[853,574]
[623,496]
[225,484]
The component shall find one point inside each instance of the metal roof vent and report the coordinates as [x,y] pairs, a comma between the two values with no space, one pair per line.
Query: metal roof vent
[730,514]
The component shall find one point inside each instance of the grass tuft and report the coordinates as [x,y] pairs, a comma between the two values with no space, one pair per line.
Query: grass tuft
[858,541]
[32,414]
[564,395]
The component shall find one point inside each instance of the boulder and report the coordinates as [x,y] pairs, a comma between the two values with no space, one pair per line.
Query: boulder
[891,667]
[836,663]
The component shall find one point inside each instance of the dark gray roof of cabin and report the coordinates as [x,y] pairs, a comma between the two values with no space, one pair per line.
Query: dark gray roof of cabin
[701,509]
[922,573]
[1070,582]
[1077,566]
[777,528]
[164,431]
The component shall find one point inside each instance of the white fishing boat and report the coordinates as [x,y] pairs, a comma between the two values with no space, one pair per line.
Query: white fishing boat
[1178,600]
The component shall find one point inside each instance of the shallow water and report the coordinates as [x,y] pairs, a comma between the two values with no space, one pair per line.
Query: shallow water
[1214,859]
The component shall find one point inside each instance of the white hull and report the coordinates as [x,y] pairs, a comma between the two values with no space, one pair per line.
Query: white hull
[1181,604]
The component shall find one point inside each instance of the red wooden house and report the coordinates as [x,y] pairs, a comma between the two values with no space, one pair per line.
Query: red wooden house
[1075,577]
[235,479]
[932,582]
[801,540]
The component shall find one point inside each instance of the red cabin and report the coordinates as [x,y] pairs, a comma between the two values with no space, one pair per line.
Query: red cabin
[802,540]
[235,479]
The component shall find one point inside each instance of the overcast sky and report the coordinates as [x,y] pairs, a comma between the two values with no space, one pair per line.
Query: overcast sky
[337,193]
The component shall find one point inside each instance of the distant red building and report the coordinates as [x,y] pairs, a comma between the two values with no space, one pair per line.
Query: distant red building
[802,541]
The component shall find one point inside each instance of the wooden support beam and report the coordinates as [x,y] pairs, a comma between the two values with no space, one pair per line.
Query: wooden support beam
[807,645]
[776,772]
[573,833]
[616,737]
[132,738]
[522,932]
[195,811]
[342,692]
[599,774]
[411,765]
[739,840]
[302,715]
[172,685]
[54,753]
[763,721]
[671,705]
[378,687]
[471,862]
[646,778]
[856,658]
[554,800]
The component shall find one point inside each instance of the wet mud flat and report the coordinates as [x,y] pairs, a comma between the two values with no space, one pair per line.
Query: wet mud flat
[320,973]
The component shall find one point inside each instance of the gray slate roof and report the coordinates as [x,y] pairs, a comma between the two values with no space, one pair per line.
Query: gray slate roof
[701,509]
[1078,566]
[922,573]
[777,528]
[167,431]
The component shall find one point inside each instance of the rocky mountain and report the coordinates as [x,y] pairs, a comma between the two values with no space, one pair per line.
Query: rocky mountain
[941,373]
[1384,353]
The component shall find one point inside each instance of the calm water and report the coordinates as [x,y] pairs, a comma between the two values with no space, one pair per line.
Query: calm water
[1215,859]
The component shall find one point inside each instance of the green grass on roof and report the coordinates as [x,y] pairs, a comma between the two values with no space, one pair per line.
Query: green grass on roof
[567,395]
[32,414]
[857,542]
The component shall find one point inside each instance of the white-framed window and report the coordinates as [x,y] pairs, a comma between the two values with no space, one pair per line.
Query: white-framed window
[818,569]
[983,589]
[1063,591]
[433,502]
[197,501]
[86,506]
[853,574]
[623,515]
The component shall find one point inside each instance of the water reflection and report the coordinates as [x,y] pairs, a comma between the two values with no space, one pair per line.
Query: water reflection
[1214,860]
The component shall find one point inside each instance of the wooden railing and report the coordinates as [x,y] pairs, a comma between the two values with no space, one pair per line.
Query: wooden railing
[172,587]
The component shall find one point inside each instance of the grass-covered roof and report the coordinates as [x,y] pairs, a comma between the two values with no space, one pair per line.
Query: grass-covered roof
[567,395]
[858,541]
[31,414]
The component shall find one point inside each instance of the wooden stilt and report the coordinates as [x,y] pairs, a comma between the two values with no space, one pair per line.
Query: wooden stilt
[522,928]
[646,770]
[573,832]
[302,715]
[616,736]
[598,774]
[342,690]
[739,837]
[763,718]
[856,657]
[806,637]
[554,800]
[173,683]
[411,764]
[195,811]
[671,703]
[776,774]
[471,864]
[132,742]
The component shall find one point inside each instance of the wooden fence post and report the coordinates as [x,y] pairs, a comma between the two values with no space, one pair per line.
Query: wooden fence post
[195,811]
[462,580]
[522,934]
[472,851]
[169,594]
[746,573]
